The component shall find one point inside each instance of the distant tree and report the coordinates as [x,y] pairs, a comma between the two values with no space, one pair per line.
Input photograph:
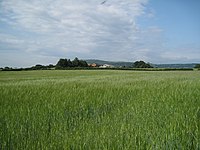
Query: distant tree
[83,63]
[7,68]
[63,63]
[51,66]
[141,64]
[69,63]
[38,67]
[197,66]
[76,62]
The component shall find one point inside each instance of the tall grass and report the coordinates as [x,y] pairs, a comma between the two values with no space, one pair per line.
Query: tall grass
[77,109]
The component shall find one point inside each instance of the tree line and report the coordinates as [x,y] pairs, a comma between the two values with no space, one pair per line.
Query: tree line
[197,66]
[79,64]
[142,64]
[65,63]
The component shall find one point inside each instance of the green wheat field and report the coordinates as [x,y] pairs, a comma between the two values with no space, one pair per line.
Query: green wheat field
[99,110]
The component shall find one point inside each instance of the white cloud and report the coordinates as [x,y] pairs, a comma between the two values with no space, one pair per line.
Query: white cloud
[80,15]
[83,28]
[184,55]
[24,59]
[9,39]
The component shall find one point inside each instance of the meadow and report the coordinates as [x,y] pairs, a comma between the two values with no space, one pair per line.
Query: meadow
[99,109]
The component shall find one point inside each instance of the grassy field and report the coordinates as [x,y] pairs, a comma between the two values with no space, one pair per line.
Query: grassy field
[79,109]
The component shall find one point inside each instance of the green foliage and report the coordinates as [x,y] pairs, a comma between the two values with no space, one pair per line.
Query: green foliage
[76,62]
[36,67]
[103,109]
[66,63]
[141,64]
[40,67]
[83,63]
[197,66]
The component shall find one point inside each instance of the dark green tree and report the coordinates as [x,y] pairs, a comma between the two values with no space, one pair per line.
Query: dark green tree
[7,68]
[76,62]
[83,63]
[62,63]
[51,66]
[69,63]
[141,64]
[197,66]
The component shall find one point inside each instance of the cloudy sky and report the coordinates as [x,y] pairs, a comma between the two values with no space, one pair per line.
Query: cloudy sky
[42,31]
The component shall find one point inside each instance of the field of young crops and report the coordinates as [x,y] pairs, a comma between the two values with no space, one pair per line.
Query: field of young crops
[99,109]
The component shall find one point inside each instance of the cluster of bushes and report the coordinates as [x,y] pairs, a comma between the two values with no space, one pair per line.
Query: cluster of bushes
[141,64]
[67,63]
[41,67]
[36,67]
[197,66]
[150,69]
[13,69]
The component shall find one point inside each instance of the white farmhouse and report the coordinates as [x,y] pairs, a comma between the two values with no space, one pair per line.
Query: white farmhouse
[106,66]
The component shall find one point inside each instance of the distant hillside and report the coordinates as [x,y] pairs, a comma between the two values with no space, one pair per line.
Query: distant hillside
[116,64]
[174,65]
[129,64]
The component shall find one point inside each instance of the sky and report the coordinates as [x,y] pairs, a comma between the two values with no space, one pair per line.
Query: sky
[42,32]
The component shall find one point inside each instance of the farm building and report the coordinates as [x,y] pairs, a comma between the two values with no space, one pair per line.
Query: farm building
[93,65]
[106,66]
